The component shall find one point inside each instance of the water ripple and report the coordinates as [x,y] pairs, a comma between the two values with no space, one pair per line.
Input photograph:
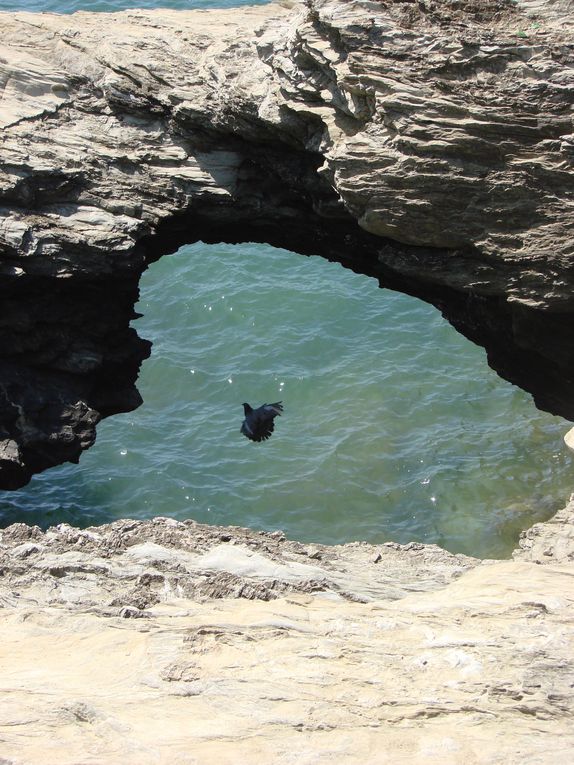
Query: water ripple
[394,426]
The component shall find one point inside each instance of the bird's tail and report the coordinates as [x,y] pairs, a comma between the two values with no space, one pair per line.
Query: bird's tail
[278,406]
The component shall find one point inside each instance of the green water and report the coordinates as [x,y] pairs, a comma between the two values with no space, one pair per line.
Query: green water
[394,426]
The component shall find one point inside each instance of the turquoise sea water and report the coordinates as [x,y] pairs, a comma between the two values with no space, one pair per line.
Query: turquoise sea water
[394,426]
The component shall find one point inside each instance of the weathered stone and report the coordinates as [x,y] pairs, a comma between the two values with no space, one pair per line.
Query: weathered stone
[174,647]
[138,563]
[427,144]
[550,541]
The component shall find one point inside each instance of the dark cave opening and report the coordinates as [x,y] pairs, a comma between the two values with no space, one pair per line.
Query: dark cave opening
[69,356]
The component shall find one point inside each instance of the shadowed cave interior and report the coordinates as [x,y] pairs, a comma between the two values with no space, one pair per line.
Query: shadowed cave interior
[102,363]
[71,358]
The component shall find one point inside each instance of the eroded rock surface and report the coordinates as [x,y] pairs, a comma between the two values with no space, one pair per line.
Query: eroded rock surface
[167,642]
[138,563]
[426,144]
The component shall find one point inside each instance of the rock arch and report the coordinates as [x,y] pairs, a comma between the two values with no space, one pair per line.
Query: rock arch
[430,150]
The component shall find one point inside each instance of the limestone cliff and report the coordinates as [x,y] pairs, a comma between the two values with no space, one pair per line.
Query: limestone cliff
[427,144]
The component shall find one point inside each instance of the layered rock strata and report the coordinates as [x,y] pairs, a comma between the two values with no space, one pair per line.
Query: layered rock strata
[165,642]
[426,144]
[429,145]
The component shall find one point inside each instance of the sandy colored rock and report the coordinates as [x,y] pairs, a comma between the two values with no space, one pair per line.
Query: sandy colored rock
[167,642]
[550,541]
[130,563]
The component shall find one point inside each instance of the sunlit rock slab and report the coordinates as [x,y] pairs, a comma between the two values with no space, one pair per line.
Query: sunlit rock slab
[165,642]
[136,564]
[479,671]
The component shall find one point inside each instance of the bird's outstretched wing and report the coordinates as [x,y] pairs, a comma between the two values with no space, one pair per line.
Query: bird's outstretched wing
[276,408]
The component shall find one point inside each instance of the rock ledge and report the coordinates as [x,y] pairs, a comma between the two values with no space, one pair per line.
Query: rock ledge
[167,642]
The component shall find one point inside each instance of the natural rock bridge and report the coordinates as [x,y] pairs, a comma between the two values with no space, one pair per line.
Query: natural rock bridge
[428,144]
[431,148]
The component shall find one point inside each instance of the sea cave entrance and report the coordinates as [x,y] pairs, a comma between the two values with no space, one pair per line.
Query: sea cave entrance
[395,429]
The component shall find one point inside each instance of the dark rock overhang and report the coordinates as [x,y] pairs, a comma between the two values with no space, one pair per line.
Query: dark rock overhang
[427,145]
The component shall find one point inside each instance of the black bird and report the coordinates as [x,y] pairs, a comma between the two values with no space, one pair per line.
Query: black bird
[258,423]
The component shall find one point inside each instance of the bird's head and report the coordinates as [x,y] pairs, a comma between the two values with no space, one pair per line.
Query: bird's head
[247,409]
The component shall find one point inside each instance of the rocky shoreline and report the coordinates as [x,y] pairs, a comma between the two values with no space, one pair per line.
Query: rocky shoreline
[173,642]
[429,145]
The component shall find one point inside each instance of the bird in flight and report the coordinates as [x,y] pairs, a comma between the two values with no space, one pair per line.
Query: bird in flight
[258,423]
